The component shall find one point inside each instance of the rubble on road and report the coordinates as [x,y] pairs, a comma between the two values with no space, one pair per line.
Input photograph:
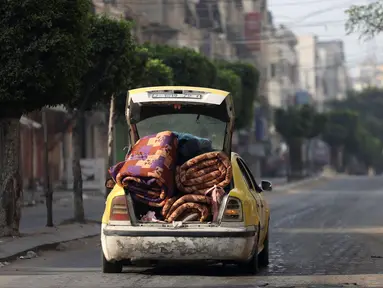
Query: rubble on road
[29,255]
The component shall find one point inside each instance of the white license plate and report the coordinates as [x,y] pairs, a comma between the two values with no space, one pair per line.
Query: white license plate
[176,96]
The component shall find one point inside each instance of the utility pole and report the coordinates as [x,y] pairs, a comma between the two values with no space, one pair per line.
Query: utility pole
[47,186]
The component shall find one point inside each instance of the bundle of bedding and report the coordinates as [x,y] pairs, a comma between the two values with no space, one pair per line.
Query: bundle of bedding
[148,170]
[201,173]
[202,179]
[179,208]
[192,207]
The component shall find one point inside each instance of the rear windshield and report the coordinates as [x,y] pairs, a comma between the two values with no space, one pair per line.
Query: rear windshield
[197,125]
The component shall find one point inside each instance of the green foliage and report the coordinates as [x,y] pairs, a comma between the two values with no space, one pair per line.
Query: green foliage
[369,148]
[193,69]
[367,20]
[341,129]
[301,122]
[366,136]
[111,62]
[157,74]
[296,124]
[249,78]
[368,104]
[227,80]
[189,67]
[42,53]
[147,72]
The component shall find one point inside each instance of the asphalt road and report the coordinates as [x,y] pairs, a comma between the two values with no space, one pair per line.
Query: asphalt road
[330,233]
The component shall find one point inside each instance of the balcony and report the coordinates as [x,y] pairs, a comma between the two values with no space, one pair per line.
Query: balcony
[163,16]
[209,16]
[236,36]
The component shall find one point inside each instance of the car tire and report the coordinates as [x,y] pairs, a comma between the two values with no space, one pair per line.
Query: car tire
[263,257]
[252,266]
[110,267]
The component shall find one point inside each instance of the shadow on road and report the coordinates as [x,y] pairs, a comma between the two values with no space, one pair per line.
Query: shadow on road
[193,270]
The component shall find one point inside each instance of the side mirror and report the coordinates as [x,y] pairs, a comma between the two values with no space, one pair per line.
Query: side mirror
[266,185]
[110,183]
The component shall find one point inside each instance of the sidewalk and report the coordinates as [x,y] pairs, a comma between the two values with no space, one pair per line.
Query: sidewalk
[32,198]
[33,220]
[305,183]
[34,217]
[11,248]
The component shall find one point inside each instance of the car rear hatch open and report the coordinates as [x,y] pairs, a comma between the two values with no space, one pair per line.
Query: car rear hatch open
[203,112]
[144,103]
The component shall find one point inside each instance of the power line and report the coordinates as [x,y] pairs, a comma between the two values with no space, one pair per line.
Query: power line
[300,3]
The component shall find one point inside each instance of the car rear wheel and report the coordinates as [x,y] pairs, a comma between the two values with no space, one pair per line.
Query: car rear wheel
[110,267]
[263,257]
[251,267]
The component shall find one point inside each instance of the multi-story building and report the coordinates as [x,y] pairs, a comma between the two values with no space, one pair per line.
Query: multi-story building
[256,38]
[283,69]
[312,64]
[199,25]
[164,22]
[334,71]
[219,24]
[367,74]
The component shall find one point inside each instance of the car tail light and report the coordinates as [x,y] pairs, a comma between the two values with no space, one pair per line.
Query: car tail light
[119,209]
[233,210]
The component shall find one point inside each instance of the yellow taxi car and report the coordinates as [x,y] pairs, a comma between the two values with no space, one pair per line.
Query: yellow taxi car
[240,235]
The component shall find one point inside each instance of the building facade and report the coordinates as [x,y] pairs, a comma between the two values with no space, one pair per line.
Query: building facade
[334,71]
[312,69]
[283,67]
[367,74]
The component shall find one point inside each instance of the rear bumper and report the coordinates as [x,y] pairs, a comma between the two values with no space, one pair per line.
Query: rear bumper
[149,243]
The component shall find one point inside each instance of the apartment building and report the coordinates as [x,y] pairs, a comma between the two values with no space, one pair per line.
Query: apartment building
[283,67]
[334,71]
[312,69]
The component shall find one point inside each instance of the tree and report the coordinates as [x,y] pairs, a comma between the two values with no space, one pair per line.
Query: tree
[42,55]
[194,69]
[249,81]
[367,20]
[189,67]
[296,124]
[156,73]
[229,81]
[341,133]
[111,65]
[368,104]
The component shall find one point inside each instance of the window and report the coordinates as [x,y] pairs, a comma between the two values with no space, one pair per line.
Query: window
[273,70]
[198,125]
[254,184]
[245,174]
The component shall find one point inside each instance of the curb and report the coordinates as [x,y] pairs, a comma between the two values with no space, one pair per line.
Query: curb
[47,245]
[42,247]
[66,198]
[300,184]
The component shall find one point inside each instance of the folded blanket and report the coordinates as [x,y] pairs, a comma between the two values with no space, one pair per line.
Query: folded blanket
[147,173]
[181,208]
[203,172]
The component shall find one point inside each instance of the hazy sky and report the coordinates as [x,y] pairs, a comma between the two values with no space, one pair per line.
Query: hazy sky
[326,19]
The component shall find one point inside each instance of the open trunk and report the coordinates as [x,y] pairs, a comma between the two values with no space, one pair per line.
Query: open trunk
[202,121]
[149,214]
